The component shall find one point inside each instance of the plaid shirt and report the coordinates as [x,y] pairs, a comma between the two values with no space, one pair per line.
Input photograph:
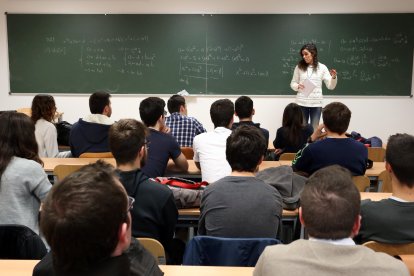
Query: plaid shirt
[184,128]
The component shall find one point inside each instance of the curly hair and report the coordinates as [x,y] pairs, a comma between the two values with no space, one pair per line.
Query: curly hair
[43,106]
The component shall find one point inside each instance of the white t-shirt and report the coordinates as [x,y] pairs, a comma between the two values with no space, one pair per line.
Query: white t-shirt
[210,151]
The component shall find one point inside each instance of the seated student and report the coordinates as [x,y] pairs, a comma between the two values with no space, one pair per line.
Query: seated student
[162,146]
[43,114]
[294,133]
[241,205]
[210,148]
[329,211]
[335,147]
[23,182]
[183,127]
[155,213]
[90,134]
[243,108]
[87,223]
[391,220]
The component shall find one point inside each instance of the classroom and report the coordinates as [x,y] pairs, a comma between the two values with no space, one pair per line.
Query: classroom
[372,115]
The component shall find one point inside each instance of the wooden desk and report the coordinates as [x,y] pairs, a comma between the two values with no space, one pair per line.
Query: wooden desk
[195,212]
[25,268]
[51,163]
[409,262]
[375,196]
[183,270]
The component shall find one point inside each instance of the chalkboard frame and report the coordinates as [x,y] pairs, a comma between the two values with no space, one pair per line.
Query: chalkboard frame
[232,22]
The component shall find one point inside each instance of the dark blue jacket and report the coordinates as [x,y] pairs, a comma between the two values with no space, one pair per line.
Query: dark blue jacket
[88,137]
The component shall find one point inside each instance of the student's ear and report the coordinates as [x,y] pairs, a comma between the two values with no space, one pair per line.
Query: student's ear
[124,239]
[253,111]
[388,167]
[301,218]
[356,226]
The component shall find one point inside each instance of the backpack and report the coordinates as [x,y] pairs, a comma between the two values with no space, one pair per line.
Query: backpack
[63,131]
[288,183]
[187,193]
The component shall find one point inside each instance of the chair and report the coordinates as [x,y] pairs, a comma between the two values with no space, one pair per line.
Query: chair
[96,155]
[362,182]
[376,154]
[20,242]
[188,152]
[391,248]
[288,156]
[61,171]
[215,251]
[384,178]
[155,248]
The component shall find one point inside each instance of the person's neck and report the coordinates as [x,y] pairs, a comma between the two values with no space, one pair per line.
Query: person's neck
[250,119]
[156,127]
[245,174]
[330,134]
[128,167]
[402,191]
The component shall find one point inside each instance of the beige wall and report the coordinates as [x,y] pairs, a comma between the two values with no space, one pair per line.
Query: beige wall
[379,116]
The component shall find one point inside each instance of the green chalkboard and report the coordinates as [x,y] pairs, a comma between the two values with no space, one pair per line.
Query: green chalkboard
[206,54]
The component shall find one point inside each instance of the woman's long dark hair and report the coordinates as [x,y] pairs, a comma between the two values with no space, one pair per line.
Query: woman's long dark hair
[314,52]
[17,138]
[293,122]
[43,106]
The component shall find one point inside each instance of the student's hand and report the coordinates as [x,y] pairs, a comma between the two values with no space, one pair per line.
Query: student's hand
[319,133]
[165,129]
[278,151]
[333,73]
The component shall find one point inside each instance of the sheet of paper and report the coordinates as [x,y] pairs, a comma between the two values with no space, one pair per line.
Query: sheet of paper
[309,86]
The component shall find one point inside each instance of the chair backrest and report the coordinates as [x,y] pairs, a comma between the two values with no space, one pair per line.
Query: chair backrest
[20,242]
[155,248]
[61,171]
[385,178]
[188,152]
[288,156]
[106,154]
[391,248]
[25,110]
[362,182]
[205,250]
[376,154]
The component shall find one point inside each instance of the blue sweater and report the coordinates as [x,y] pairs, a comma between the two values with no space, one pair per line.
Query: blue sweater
[345,152]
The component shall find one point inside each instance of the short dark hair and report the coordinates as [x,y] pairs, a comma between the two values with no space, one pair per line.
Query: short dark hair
[400,155]
[330,203]
[245,147]
[336,117]
[81,217]
[126,137]
[43,106]
[243,107]
[98,101]
[150,110]
[222,112]
[174,103]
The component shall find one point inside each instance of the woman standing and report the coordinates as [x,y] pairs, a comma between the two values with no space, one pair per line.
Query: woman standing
[308,74]
[23,182]
[43,114]
[294,133]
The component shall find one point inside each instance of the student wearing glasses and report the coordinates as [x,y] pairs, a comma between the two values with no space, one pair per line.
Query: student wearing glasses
[155,213]
[87,223]
[163,146]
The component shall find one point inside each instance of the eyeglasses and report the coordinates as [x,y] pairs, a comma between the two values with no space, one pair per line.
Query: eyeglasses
[131,201]
[165,113]
[147,143]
